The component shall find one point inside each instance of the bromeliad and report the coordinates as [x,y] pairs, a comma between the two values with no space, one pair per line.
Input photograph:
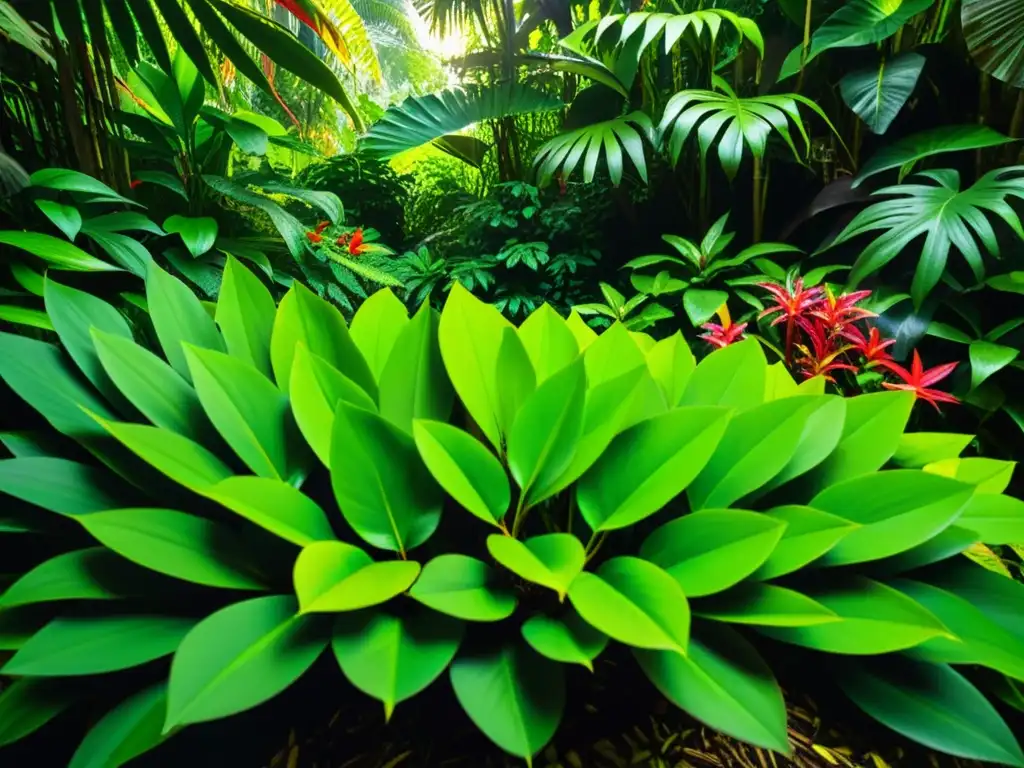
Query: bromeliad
[919,381]
[794,303]
[822,357]
[838,312]
[725,334]
[872,347]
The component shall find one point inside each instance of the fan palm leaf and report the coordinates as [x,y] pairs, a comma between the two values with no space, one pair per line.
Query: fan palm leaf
[733,121]
[422,119]
[947,216]
[608,139]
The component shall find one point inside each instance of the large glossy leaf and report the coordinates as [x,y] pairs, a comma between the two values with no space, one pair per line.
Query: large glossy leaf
[30,703]
[179,318]
[765,605]
[467,471]
[548,341]
[245,314]
[421,119]
[878,93]
[809,534]
[184,546]
[66,218]
[610,140]
[568,639]
[895,511]
[376,327]
[241,656]
[75,645]
[383,487]
[213,26]
[994,518]
[994,33]
[65,180]
[291,229]
[552,560]
[709,551]
[733,377]
[463,587]
[274,505]
[59,254]
[933,705]
[128,730]
[635,602]
[672,363]
[514,695]
[332,576]
[63,486]
[518,382]
[198,234]
[916,449]
[723,682]
[648,465]
[413,383]
[391,657]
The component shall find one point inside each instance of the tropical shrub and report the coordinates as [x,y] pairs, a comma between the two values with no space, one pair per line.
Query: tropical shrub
[449,494]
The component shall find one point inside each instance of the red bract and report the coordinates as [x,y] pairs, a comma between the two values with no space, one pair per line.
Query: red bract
[314,238]
[725,334]
[136,183]
[321,227]
[873,348]
[919,381]
[793,303]
[355,245]
[822,358]
[839,311]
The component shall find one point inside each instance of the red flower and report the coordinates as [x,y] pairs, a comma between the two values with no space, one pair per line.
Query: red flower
[355,245]
[793,304]
[725,334]
[919,381]
[315,236]
[823,356]
[321,227]
[872,347]
[136,183]
[839,311]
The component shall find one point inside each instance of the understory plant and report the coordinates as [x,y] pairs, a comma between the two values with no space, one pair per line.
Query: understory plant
[451,496]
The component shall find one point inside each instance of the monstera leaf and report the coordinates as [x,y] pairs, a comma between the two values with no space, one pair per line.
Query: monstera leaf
[609,138]
[422,119]
[947,215]
[877,94]
[994,33]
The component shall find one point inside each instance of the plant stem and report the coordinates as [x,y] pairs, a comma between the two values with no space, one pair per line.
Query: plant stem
[805,46]
[790,338]
[596,540]
[520,515]
[758,208]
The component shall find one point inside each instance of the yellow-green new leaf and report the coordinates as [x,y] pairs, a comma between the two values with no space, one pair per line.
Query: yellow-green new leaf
[275,506]
[245,314]
[672,364]
[517,379]
[765,605]
[569,639]
[808,535]
[179,318]
[549,342]
[463,587]
[376,326]
[552,560]
[331,576]
[733,377]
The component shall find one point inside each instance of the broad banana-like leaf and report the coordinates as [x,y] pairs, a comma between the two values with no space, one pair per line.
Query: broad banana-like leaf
[338,24]
[994,33]
[608,138]
[945,214]
[422,119]
[733,121]
[878,93]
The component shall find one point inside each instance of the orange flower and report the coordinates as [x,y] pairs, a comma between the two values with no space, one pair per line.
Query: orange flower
[355,245]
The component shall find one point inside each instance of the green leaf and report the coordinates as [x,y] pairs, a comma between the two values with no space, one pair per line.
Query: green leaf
[25,316]
[250,413]
[470,336]
[994,518]
[74,645]
[304,317]
[701,304]
[989,476]
[871,434]
[184,546]
[988,358]
[733,377]
[162,179]
[214,27]
[198,234]
[648,465]
[59,254]
[285,50]
[552,560]
[82,574]
[822,432]
[635,602]
[549,342]
[73,314]
[757,445]
[992,31]
[376,327]
[250,138]
[66,218]
[122,221]
[910,149]
[877,93]
[546,432]
[245,314]
[809,534]
[125,732]
[290,228]
[28,704]
[875,619]
[518,381]
[917,449]
[464,468]
[274,505]
[27,278]
[126,251]
[764,605]
[392,658]
[513,695]
[709,551]
[63,486]
[383,488]
[239,657]
[414,384]
[184,461]
[932,705]
[65,180]
[569,639]
[724,683]
[672,364]
[895,511]
[331,576]
[179,318]
[463,587]
[316,386]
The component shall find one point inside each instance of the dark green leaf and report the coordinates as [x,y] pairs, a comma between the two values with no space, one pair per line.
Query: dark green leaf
[878,93]
[64,217]
[198,234]
[179,317]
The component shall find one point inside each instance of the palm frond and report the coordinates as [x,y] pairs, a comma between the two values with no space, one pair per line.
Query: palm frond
[445,15]
[608,138]
[353,30]
[945,214]
[734,121]
[392,16]
[422,119]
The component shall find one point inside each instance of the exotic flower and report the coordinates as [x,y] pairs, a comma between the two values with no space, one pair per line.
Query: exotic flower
[839,311]
[822,358]
[355,245]
[725,334]
[873,348]
[135,183]
[315,236]
[919,381]
[794,303]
